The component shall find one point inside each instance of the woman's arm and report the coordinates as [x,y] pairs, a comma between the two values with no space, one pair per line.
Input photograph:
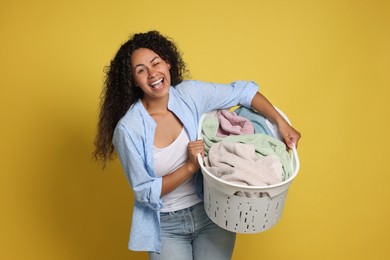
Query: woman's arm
[173,180]
[265,108]
[147,189]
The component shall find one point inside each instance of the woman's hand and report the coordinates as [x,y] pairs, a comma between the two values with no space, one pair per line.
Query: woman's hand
[265,108]
[194,148]
[289,135]
[174,179]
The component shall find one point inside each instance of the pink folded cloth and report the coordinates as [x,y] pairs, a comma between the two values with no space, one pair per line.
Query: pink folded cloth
[232,124]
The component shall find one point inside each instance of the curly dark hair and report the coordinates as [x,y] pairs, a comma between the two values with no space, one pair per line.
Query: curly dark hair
[119,91]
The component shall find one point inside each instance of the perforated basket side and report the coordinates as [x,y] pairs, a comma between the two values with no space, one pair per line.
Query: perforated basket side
[242,214]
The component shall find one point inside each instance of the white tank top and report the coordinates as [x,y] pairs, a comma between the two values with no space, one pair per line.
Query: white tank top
[168,159]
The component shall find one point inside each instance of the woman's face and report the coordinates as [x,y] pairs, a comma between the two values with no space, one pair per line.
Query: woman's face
[150,73]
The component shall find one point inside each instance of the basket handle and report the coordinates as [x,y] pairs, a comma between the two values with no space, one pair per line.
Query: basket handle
[295,164]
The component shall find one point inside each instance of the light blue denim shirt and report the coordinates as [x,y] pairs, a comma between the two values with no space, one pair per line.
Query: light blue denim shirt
[134,137]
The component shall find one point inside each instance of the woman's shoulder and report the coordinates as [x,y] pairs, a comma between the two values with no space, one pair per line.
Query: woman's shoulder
[190,86]
[189,83]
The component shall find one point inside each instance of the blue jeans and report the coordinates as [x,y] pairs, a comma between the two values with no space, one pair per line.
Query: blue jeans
[189,234]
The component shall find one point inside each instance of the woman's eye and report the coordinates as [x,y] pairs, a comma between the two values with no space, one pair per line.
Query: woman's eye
[140,71]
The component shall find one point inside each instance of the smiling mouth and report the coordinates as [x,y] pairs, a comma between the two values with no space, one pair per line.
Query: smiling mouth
[157,84]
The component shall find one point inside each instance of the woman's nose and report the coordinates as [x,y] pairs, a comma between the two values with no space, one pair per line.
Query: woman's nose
[152,73]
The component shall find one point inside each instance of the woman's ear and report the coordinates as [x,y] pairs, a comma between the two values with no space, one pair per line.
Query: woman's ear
[169,66]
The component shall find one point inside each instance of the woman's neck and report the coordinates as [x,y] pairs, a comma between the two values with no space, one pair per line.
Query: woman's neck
[155,106]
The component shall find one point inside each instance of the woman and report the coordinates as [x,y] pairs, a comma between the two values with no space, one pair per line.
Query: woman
[150,115]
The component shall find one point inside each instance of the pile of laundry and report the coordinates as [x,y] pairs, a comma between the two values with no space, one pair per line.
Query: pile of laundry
[243,148]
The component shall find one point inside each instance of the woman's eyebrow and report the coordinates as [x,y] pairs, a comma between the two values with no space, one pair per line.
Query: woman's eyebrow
[157,57]
[140,65]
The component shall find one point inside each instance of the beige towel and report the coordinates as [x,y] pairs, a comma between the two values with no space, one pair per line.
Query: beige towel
[237,163]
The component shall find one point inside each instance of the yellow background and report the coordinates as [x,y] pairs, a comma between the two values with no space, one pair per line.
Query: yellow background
[324,63]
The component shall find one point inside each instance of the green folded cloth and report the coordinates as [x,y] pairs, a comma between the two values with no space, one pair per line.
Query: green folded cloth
[264,145]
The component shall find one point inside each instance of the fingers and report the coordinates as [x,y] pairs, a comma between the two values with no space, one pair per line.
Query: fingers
[290,136]
[196,147]
[291,142]
[292,139]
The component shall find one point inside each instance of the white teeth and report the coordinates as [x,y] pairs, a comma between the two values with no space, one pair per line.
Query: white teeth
[155,83]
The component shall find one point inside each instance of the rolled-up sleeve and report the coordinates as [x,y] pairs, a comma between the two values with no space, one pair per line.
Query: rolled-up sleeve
[147,188]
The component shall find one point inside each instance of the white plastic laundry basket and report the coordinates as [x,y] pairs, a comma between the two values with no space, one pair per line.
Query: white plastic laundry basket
[243,214]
